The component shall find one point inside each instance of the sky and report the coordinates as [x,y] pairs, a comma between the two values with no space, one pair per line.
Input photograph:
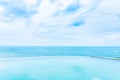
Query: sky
[60,22]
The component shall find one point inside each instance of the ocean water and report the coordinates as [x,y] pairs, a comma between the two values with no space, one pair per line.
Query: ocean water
[32,51]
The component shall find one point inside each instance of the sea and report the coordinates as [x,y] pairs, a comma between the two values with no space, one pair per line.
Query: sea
[33,51]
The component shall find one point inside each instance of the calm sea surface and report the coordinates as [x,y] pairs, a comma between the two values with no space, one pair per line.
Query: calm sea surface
[30,51]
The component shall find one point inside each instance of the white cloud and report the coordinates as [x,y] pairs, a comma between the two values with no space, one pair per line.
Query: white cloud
[30,2]
[109,7]
[1,9]
[59,22]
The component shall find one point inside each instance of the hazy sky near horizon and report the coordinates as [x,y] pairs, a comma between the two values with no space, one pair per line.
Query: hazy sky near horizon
[60,22]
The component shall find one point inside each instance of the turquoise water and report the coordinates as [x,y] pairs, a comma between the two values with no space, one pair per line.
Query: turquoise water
[31,51]
[59,68]
[59,63]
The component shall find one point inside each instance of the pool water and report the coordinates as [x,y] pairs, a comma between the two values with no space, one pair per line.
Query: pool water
[59,68]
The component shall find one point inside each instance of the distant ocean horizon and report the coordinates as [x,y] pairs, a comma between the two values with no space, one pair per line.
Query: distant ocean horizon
[32,51]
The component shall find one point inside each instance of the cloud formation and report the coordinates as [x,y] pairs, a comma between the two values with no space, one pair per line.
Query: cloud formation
[59,22]
[12,9]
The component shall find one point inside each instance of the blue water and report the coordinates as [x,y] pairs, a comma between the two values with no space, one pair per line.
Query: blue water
[59,68]
[59,63]
[32,51]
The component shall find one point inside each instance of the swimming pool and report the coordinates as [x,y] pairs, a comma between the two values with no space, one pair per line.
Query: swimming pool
[59,68]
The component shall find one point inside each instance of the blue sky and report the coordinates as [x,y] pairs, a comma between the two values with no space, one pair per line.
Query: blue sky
[60,22]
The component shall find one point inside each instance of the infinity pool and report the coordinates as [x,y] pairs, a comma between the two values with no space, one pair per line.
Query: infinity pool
[59,68]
